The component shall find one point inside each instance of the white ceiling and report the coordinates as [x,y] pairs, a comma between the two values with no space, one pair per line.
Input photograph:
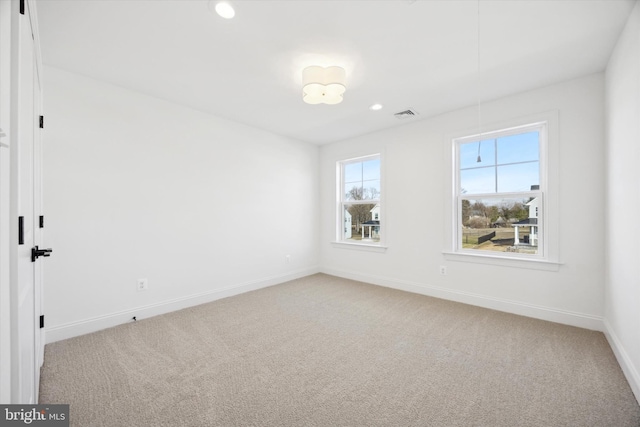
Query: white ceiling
[404,54]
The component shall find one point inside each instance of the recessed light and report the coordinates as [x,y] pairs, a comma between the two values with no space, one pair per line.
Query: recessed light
[376,107]
[225,10]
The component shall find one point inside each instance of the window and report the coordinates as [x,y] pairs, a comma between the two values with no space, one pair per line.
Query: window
[500,192]
[360,216]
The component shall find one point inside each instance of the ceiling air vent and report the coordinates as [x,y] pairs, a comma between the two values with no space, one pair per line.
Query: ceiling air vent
[406,114]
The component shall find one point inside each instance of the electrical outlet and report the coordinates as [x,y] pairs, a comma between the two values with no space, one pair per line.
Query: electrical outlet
[143,284]
[443,270]
[287,259]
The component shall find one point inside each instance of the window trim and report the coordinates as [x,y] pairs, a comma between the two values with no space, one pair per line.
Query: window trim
[548,259]
[339,224]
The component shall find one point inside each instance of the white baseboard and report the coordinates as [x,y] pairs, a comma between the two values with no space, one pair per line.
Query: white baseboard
[625,362]
[74,329]
[529,310]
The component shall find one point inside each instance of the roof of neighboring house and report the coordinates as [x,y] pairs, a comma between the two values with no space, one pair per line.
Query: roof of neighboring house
[372,222]
[528,221]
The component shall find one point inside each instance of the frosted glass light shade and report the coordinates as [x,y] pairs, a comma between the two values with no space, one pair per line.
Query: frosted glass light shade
[225,10]
[323,85]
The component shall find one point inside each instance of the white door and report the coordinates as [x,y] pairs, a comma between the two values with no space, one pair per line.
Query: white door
[26,306]
[26,318]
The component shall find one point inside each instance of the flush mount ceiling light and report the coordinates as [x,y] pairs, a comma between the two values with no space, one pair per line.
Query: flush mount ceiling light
[223,9]
[323,85]
[375,107]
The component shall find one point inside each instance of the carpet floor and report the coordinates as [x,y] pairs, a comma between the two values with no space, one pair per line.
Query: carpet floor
[326,351]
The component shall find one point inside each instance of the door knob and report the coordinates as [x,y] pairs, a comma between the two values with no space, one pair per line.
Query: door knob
[36,252]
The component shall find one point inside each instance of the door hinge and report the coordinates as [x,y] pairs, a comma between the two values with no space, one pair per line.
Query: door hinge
[21,230]
[41,122]
[41,221]
[21,7]
[42,321]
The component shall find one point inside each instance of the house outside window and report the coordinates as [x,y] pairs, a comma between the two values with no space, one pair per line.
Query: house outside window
[360,218]
[499,192]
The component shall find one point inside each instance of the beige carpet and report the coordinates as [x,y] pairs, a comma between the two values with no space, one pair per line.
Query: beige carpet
[324,351]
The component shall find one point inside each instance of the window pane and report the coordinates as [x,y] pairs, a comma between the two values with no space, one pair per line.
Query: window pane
[362,180]
[523,147]
[371,190]
[520,177]
[470,151]
[500,224]
[517,167]
[353,191]
[371,170]
[474,181]
[347,220]
[353,172]
[360,223]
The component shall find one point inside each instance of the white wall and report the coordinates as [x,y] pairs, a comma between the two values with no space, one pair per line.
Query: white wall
[622,312]
[136,187]
[415,184]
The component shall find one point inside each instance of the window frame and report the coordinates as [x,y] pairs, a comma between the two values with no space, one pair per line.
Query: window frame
[548,250]
[341,202]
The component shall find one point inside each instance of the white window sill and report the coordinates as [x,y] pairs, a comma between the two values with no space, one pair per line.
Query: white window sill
[533,264]
[360,246]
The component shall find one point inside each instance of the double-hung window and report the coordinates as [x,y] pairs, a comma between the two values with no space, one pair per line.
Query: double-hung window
[500,188]
[360,217]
